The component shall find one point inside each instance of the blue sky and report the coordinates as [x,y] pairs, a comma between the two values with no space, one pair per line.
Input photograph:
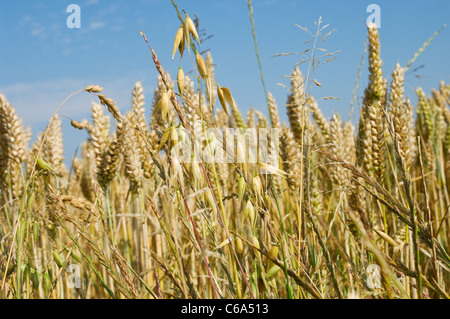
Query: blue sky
[42,61]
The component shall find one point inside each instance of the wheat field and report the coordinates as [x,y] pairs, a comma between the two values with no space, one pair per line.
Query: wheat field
[343,210]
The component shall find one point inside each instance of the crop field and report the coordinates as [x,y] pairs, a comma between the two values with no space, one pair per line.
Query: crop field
[182,196]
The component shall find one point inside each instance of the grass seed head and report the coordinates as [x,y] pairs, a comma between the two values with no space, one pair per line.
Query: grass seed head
[201,65]
[77,125]
[222,100]
[164,106]
[249,212]
[180,80]
[190,26]
[94,89]
[178,43]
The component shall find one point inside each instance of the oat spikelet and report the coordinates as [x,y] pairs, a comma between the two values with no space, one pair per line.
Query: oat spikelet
[156,119]
[12,148]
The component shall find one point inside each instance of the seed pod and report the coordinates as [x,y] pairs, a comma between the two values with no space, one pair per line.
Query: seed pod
[273,252]
[190,26]
[177,169]
[177,43]
[256,250]
[11,269]
[182,136]
[35,279]
[201,65]
[26,272]
[58,259]
[35,231]
[254,283]
[187,36]
[180,80]
[45,166]
[164,106]
[75,256]
[223,103]
[255,242]
[195,172]
[268,201]
[46,281]
[239,245]
[174,137]
[228,97]
[249,212]
[165,137]
[273,271]
[257,185]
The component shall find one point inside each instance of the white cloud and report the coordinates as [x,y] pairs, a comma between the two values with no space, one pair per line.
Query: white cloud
[36,28]
[96,25]
[38,31]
